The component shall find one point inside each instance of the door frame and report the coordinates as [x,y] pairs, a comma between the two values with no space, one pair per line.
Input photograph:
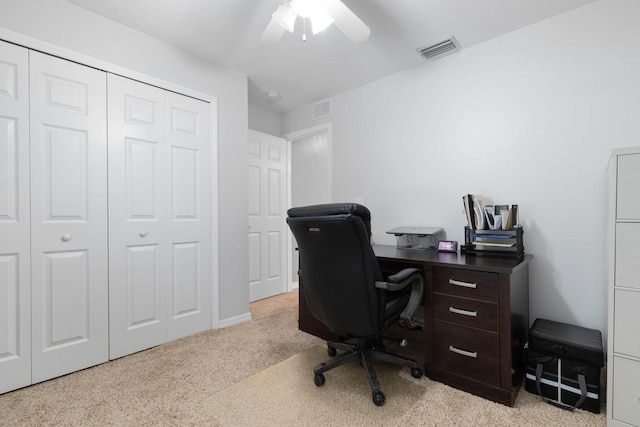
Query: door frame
[292,279]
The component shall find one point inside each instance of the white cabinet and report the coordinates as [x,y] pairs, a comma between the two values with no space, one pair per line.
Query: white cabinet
[623,399]
[159,216]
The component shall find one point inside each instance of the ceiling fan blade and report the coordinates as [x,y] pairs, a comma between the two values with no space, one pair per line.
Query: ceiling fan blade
[347,21]
[272,33]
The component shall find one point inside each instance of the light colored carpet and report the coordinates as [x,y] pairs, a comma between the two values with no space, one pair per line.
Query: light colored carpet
[285,395]
[189,382]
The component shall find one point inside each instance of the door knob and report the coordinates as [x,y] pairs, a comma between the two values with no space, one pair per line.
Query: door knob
[143,233]
[66,237]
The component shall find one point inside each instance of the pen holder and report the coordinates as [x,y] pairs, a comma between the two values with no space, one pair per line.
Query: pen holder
[506,243]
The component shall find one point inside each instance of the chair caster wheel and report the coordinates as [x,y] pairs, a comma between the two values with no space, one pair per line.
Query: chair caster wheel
[319,379]
[416,372]
[378,398]
[331,351]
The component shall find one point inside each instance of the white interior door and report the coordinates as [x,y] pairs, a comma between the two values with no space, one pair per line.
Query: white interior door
[267,215]
[137,217]
[188,207]
[68,216]
[15,285]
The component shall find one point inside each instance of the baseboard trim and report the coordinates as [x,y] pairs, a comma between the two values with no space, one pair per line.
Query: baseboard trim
[236,320]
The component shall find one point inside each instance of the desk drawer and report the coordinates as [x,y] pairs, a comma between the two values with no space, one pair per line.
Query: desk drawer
[465,283]
[467,352]
[466,312]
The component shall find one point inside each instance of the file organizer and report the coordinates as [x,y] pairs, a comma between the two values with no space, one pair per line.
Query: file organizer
[506,243]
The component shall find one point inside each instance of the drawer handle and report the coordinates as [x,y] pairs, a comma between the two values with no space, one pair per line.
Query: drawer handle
[463,284]
[463,312]
[463,352]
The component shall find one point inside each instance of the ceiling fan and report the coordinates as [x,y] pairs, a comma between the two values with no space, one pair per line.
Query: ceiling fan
[321,14]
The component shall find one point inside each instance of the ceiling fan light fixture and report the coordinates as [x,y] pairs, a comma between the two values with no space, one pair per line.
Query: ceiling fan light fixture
[319,17]
[286,15]
[321,14]
[320,22]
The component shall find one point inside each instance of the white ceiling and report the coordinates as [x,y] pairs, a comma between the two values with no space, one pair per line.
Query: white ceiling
[228,32]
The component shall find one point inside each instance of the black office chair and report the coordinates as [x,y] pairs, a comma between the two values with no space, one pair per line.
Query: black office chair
[344,288]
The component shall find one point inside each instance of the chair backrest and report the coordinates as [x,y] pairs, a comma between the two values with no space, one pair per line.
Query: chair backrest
[338,268]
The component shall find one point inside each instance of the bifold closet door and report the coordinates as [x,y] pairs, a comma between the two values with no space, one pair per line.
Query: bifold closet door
[69,286]
[188,202]
[159,216]
[137,217]
[15,286]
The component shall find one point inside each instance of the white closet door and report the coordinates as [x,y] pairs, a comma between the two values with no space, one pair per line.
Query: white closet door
[137,219]
[68,216]
[188,207]
[15,286]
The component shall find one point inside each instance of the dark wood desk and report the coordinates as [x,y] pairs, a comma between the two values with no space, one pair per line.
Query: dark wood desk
[476,318]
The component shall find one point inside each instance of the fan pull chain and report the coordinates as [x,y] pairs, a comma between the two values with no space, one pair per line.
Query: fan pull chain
[304,29]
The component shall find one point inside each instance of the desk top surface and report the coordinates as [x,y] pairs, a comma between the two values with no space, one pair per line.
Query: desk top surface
[448,259]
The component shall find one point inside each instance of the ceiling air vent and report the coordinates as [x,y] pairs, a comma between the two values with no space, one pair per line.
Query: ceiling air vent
[321,109]
[439,49]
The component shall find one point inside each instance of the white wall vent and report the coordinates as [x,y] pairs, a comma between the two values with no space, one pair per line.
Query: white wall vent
[321,109]
[439,49]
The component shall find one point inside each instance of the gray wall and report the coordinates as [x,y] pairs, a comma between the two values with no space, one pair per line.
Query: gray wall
[527,118]
[62,24]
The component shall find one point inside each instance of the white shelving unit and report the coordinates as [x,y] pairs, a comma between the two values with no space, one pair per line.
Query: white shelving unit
[623,359]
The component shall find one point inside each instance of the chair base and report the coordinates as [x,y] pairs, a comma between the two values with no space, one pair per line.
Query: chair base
[364,351]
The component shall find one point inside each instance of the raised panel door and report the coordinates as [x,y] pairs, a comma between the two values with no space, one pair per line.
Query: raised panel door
[15,287]
[188,206]
[68,216]
[267,215]
[137,217]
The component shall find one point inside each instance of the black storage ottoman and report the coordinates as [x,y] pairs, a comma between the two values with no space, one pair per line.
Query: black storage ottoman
[563,364]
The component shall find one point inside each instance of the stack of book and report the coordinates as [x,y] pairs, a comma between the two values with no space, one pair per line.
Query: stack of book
[492,229]
[483,215]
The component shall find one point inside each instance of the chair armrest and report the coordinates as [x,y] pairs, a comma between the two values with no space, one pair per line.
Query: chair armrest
[403,275]
[399,281]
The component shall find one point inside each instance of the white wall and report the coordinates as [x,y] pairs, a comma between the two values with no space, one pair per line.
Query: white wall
[265,121]
[70,27]
[527,118]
